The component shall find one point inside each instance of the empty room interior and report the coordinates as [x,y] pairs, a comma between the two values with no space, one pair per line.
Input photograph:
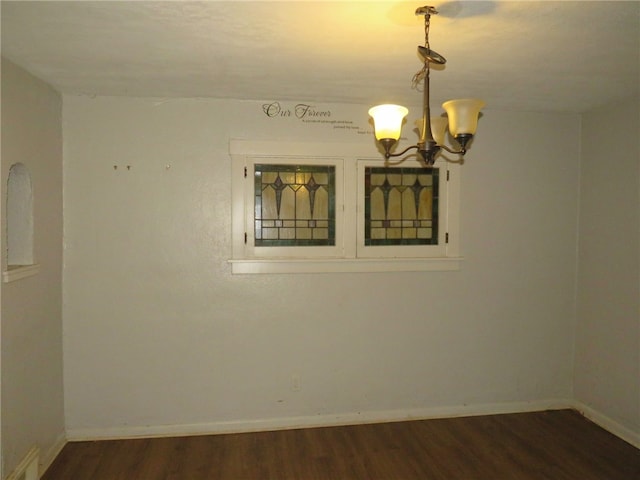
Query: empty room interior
[205,232]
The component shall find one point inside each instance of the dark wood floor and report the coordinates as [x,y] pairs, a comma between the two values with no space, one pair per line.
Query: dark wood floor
[554,445]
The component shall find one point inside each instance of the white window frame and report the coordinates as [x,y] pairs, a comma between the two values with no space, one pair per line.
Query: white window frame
[251,251]
[349,254]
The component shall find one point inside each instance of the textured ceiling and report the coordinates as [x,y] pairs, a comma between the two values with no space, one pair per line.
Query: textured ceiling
[538,56]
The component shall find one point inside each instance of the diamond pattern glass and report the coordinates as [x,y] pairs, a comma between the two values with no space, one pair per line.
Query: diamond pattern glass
[401,206]
[294,205]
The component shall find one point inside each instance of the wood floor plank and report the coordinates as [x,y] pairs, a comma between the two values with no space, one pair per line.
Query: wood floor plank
[553,445]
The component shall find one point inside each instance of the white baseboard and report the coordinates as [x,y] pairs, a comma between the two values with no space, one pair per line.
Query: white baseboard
[608,424]
[27,469]
[47,459]
[284,423]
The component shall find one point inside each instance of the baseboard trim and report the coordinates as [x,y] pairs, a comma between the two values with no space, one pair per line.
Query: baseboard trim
[288,423]
[608,424]
[27,469]
[52,453]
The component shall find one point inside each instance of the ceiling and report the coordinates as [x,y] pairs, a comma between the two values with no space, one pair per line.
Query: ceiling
[538,56]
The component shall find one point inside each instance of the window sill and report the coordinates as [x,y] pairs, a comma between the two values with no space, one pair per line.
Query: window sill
[19,272]
[341,265]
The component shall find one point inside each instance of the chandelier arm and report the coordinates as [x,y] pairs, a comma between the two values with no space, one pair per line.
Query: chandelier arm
[461,151]
[389,154]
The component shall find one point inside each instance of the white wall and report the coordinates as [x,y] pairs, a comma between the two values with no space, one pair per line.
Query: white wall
[160,337]
[32,389]
[607,371]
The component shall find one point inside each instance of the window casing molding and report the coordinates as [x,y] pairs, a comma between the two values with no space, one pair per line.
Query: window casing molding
[349,254]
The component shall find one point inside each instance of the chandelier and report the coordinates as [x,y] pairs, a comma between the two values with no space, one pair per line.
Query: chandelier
[462,114]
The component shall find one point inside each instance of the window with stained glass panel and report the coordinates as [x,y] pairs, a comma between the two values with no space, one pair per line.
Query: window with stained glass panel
[294,205]
[401,206]
[322,207]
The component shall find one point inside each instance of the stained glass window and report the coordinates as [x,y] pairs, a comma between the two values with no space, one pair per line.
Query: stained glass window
[294,205]
[301,207]
[401,206]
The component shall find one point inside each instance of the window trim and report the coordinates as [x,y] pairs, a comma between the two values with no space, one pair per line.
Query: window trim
[244,259]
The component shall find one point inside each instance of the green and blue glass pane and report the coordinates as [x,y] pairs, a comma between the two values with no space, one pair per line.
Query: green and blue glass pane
[401,206]
[294,205]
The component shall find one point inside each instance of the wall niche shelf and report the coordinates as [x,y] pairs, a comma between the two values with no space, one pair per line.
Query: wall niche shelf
[18,272]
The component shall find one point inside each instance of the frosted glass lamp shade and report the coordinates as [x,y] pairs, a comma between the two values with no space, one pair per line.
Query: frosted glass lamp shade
[438,128]
[387,120]
[463,115]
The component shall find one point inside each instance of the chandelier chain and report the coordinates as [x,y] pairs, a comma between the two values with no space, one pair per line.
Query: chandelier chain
[417,79]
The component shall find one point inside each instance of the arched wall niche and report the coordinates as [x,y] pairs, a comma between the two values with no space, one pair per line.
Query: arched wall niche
[19,204]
